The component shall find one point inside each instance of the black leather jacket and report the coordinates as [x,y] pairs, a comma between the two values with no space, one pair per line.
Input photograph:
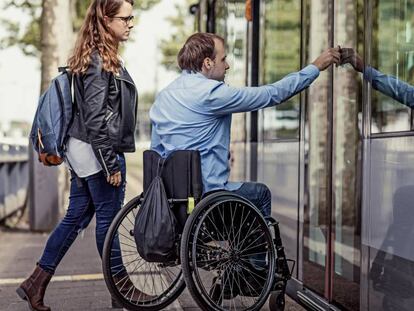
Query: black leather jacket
[105,113]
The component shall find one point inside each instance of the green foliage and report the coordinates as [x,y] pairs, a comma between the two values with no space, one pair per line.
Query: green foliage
[80,8]
[146,4]
[170,47]
[146,100]
[29,39]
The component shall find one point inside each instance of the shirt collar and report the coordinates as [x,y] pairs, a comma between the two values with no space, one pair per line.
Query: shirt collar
[194,74]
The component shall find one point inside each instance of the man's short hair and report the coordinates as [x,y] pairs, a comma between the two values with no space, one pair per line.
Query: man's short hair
[197,47]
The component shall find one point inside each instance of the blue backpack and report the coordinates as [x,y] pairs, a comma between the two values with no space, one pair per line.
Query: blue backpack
[52,120]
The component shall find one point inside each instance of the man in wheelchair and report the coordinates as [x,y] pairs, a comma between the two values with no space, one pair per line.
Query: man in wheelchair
[195,111]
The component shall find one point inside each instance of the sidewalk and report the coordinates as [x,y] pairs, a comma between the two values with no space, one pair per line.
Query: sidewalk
[78,283]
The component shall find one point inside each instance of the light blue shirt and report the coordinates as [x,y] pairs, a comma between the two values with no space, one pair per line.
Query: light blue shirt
[390,86]
[194,113]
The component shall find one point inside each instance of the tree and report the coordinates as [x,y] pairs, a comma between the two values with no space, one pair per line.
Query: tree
[183,29]
[55,33]
[29,40]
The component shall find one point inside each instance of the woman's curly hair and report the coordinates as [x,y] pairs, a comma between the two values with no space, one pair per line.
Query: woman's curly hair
[95,35]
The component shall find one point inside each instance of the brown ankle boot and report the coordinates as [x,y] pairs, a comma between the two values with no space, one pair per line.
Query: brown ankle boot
[33,289]
[129,291]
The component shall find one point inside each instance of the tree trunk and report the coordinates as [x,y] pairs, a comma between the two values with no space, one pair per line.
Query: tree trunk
[56,37]
[48,185]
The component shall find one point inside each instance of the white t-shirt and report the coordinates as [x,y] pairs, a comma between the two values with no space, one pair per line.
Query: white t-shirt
[81,158]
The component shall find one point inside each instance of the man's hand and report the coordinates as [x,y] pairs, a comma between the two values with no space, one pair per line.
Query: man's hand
[115,179]
[327,58]
[348,55]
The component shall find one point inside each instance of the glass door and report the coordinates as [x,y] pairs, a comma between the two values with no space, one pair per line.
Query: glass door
[317,145]
[332,141]
[346,160]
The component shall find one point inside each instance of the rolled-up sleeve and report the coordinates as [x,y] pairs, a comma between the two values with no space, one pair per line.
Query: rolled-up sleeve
[224,99]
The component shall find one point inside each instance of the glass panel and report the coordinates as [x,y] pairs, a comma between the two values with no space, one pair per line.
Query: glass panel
[281,34]
[389,224]
[347,113]
[278,168]
[238,161]
[317,149]
[392,276]
[202,16]
[220,11]
[393,55]
[231,24]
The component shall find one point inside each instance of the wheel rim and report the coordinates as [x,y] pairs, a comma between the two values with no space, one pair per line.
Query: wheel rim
[232,256]
[144,283]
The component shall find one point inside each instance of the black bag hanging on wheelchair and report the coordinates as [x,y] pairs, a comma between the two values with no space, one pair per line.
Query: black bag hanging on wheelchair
[155,229]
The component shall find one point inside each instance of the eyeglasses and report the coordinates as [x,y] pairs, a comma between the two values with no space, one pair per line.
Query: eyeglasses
[125,19]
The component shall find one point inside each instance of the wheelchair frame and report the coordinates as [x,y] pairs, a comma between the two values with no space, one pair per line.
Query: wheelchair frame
[275,284]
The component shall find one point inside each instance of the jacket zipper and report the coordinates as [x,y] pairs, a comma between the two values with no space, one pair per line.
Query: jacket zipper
[116,86]
[109,116]
[103,161]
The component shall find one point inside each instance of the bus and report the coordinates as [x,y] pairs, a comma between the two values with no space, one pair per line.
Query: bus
[339,157]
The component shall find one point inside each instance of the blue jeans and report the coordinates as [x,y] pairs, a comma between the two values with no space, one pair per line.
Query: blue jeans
[257,193]
[89,195]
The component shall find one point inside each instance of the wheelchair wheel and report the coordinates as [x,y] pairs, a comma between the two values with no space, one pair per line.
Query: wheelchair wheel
[227,254]
[133,282]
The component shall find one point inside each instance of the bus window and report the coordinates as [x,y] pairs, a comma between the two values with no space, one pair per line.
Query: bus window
[392,55]
[280,55]
[231,24]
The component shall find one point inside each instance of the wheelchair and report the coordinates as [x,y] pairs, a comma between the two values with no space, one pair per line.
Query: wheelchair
[228,255]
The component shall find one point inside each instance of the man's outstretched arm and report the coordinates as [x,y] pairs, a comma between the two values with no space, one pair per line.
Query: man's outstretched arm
[224,100]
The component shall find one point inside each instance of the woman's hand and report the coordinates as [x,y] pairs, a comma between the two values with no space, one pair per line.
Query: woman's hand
[115,179]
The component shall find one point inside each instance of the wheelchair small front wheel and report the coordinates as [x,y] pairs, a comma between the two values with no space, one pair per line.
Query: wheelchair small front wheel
[133,282]
[227,254]
[277,301]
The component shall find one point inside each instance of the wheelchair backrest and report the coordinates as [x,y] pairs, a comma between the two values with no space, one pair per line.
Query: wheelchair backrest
[180,172]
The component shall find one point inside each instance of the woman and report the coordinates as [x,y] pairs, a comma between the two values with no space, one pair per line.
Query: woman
[102,129]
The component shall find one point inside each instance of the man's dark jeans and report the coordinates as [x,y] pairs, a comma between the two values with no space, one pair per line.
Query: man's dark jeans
[89,195]
[257,193]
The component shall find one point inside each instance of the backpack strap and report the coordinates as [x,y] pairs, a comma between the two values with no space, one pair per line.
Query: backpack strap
[63,68]
[160,170]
